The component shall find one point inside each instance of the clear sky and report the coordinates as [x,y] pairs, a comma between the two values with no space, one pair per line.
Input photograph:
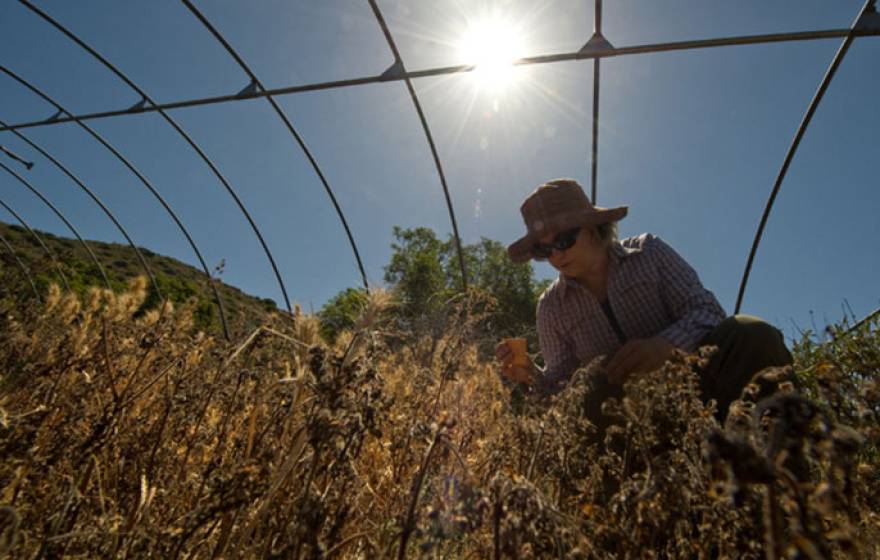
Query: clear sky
[691,141]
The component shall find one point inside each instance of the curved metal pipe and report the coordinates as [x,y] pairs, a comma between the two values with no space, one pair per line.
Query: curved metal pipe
[100,204]
[395,71]
[805,122]
[849,34]
[290,128]
[39,241]
[22,266]
[866,319]
[70,35]
[143,180]
[61,217]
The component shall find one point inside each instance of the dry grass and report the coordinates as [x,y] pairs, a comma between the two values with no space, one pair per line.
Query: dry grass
[136,438]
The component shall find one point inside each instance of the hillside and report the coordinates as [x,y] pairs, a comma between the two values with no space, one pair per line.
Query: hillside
[177,281]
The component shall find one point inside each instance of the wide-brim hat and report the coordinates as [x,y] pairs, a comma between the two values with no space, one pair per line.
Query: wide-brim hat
[557,206]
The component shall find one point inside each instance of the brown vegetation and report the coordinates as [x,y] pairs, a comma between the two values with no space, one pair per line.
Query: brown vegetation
[139,437]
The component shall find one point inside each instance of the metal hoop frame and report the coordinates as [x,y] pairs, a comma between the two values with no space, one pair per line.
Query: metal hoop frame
[147,99]
[49,253]
[97,201]
[865,12]
[866,24]
[258,85]
[143,181]
[21,266]
[398,69]
[61,217]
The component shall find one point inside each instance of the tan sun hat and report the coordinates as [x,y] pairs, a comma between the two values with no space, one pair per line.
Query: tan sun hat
[557,206]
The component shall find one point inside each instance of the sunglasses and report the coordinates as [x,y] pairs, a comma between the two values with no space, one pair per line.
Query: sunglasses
[562,242]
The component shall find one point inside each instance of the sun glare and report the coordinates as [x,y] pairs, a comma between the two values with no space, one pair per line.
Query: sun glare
[492,45]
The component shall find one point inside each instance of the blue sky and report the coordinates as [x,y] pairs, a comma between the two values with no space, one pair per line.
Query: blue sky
[691,141]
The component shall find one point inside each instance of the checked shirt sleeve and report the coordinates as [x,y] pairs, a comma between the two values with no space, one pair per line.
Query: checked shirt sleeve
[559,359]
[695,308]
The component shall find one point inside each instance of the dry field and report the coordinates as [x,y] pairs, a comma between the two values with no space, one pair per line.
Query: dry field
[126,437]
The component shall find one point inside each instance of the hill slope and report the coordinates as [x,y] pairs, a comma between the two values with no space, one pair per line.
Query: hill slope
[177,281]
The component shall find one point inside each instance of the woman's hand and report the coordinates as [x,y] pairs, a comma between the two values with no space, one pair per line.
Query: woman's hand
[639,356]
[515,372]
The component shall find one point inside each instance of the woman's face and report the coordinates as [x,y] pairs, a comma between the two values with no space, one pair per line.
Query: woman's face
[581,258]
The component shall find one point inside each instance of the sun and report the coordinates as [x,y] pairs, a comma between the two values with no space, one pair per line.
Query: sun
[492,45]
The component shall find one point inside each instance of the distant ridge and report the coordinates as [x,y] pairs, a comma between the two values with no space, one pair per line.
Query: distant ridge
[178,281]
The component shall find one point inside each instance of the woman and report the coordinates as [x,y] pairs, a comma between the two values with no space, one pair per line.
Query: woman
[633,301]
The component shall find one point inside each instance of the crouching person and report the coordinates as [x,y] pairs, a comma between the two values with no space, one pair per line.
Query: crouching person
[634,301]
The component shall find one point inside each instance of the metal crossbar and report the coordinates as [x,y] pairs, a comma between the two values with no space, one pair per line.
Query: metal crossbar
[461,68]
[61,217]
[299,140]
[100,204]
[143,181]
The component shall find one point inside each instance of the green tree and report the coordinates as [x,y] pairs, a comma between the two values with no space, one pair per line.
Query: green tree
[418,271]
[341,312]
[425,272]
[512,286]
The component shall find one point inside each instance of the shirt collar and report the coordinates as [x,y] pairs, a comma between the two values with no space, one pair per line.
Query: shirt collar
[616,253]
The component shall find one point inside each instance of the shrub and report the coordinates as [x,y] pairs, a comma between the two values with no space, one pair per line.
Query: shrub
[128,434]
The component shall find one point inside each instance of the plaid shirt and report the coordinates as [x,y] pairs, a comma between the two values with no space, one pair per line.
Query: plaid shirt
[651,290]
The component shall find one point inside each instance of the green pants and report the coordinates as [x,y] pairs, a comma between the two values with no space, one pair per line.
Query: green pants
[746,345]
